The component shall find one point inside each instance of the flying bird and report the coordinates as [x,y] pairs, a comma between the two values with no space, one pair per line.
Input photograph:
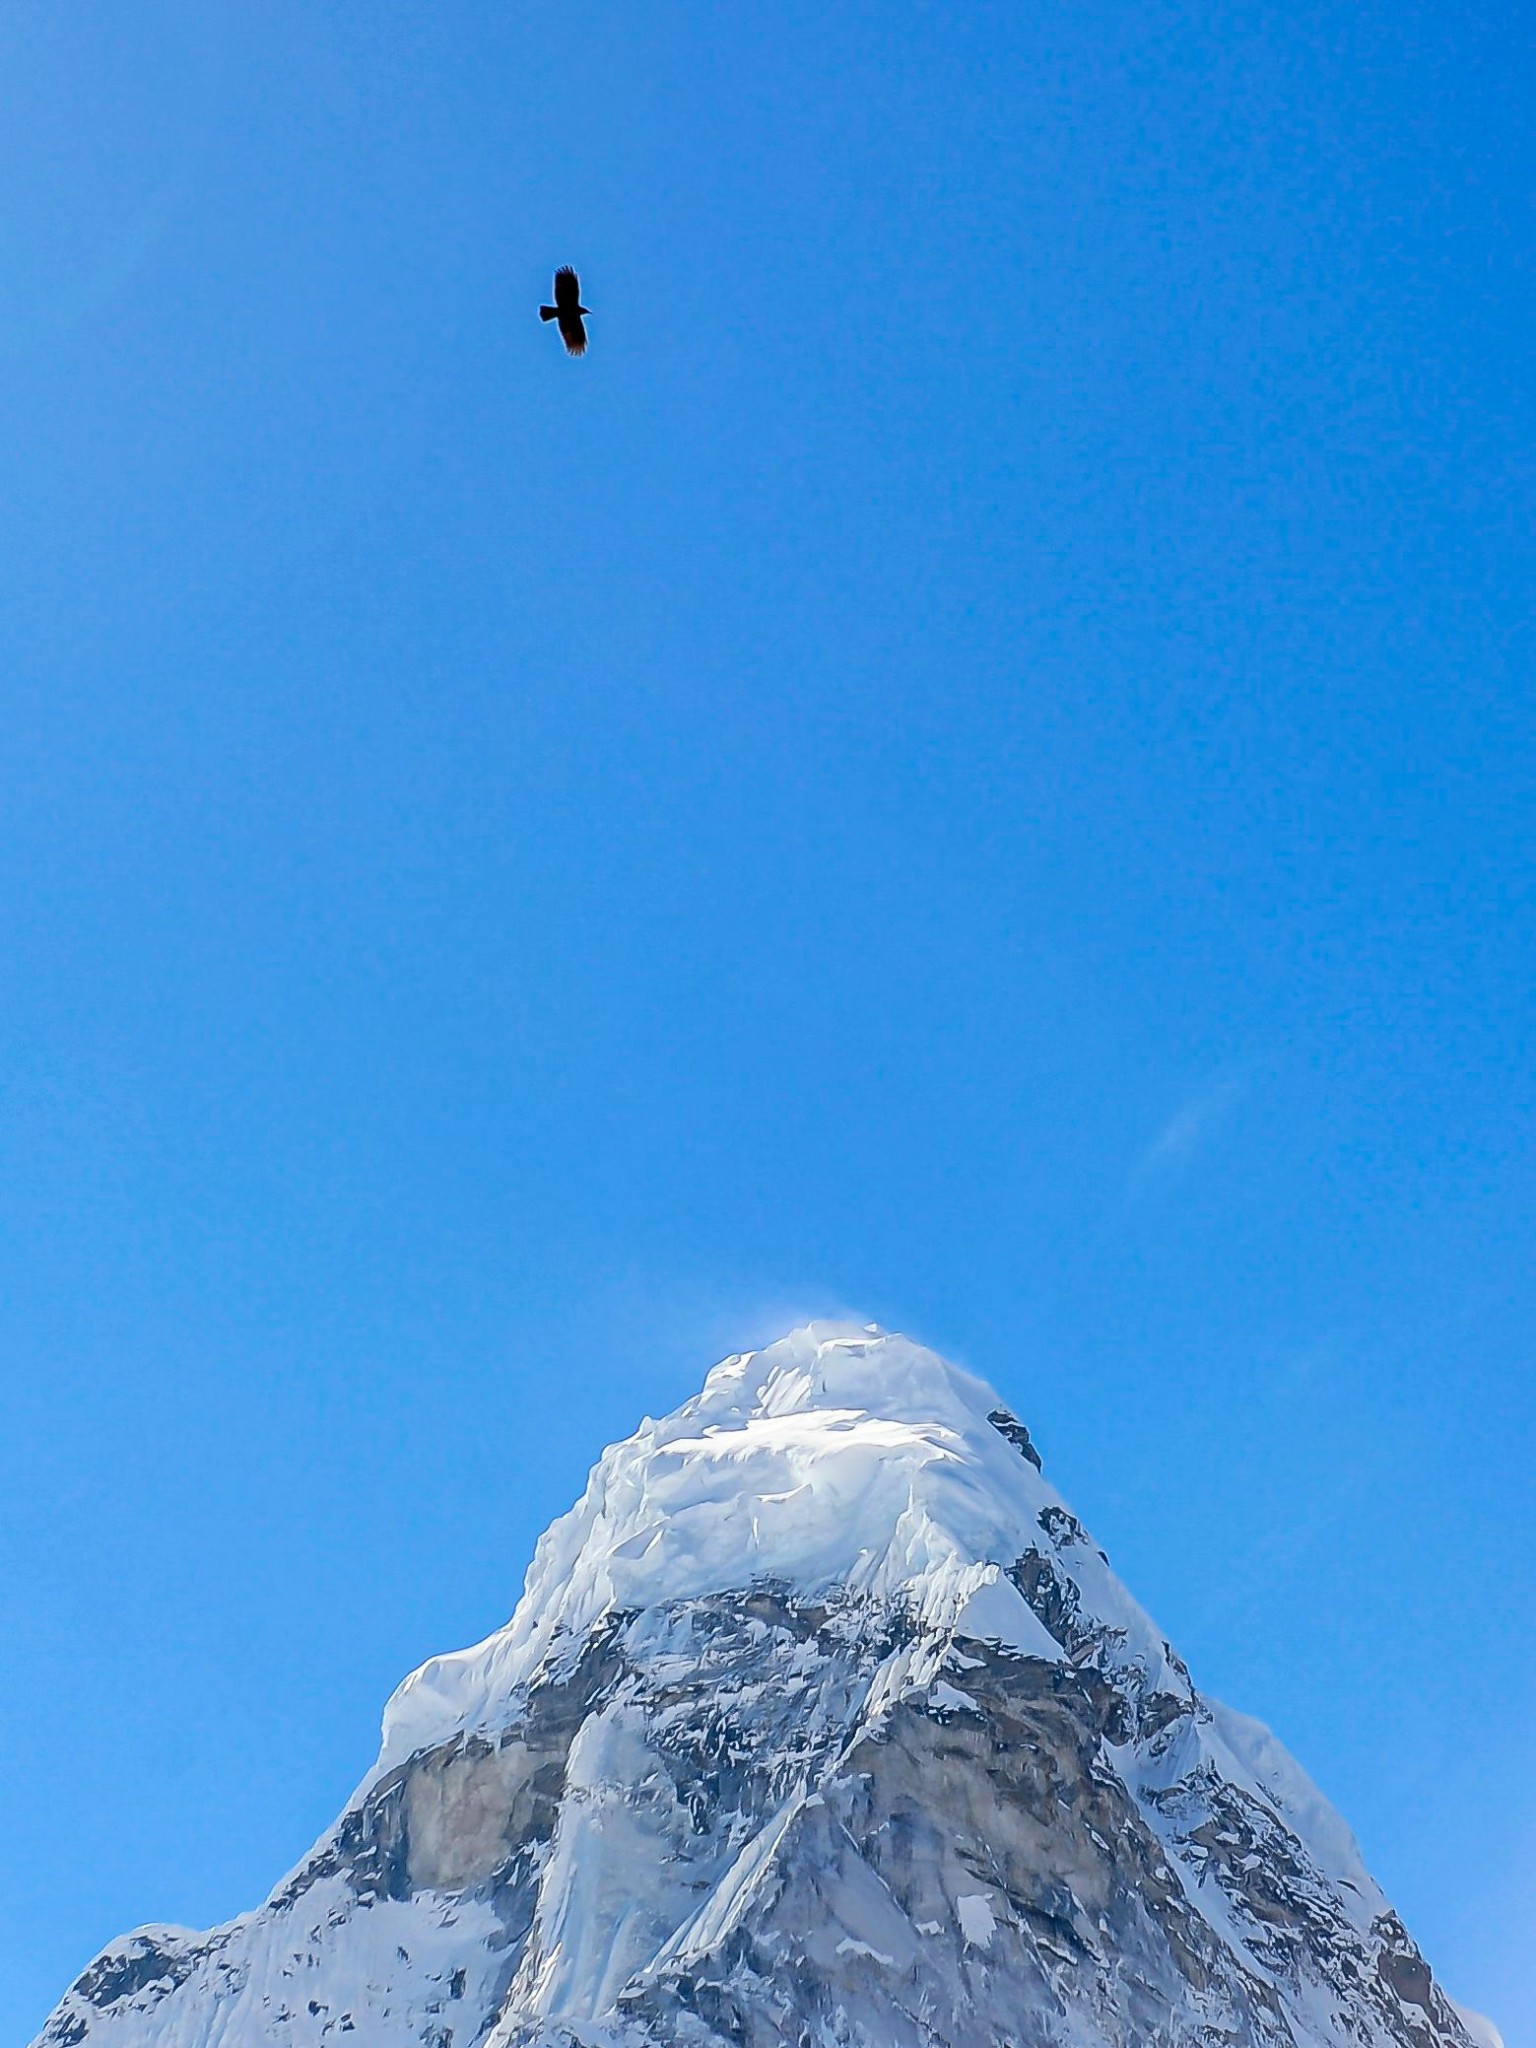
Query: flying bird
[568,310]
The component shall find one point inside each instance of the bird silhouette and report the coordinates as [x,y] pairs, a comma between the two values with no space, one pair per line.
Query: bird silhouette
[568,310]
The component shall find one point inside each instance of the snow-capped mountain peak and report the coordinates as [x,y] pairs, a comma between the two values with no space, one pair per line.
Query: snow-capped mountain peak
[839,1456]
[821,1720]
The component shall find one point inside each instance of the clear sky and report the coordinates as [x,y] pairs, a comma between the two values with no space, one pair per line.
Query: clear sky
[971,765]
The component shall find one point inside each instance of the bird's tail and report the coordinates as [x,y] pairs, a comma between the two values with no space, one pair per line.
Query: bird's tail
[548,313]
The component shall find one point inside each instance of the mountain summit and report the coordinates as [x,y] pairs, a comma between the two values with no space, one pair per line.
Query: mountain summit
[822,1723]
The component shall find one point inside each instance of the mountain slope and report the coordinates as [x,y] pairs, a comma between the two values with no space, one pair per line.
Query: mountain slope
[821,1721]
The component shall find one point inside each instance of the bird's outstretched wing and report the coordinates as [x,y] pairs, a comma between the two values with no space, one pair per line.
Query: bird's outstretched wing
[573,332]
[567,290]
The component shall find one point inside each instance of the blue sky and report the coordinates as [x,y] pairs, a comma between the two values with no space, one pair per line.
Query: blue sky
[972,764]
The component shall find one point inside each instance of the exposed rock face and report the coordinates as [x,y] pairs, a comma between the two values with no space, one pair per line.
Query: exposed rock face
[822,1724]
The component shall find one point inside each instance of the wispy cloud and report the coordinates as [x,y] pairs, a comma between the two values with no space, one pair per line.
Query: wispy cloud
[1190,1129]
